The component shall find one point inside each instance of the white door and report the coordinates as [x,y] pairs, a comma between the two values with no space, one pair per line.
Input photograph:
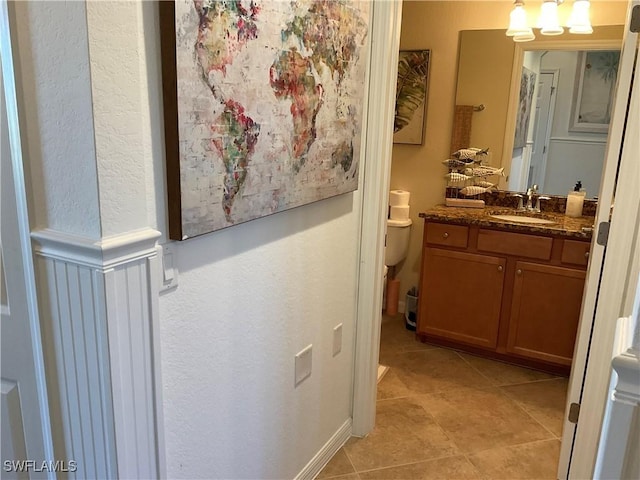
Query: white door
[543,121]
[24,412]
[608,272]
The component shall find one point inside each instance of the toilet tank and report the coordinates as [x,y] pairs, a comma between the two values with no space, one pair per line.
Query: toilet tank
[398,234]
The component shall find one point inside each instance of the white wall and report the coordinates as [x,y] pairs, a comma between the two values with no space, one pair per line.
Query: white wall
[249,297]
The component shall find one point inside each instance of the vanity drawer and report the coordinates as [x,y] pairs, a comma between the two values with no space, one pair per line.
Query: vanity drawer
[575,252]
[522,245]
[447,235]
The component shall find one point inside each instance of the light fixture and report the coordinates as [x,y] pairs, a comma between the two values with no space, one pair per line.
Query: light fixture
[549,23]
[519,28]
[524,37]
[579,20]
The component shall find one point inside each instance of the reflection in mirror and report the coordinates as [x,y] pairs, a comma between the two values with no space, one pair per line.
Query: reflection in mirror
[546,107]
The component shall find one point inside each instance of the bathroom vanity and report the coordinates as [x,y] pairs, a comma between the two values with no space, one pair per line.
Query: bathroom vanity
[505,289]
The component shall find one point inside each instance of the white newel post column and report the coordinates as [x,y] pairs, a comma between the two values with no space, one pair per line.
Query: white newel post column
[87,107]
[621,440]
[99,303]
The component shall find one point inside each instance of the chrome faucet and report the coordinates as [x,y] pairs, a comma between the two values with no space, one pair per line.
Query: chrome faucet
[520,207]
[533,190]
[540,197]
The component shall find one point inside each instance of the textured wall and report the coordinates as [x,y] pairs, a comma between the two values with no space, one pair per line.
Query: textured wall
[118,78]
[249,298]
[436,25]
[54,90]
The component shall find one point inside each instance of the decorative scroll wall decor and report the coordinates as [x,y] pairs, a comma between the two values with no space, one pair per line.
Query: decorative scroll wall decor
[411,96]
[523,115]
[263,106]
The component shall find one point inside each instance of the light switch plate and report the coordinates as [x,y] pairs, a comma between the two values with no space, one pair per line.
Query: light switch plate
[303,364]
[167,255]
[337,339]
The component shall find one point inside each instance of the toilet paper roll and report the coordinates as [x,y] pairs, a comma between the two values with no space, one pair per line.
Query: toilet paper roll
[399,198]
[400,212]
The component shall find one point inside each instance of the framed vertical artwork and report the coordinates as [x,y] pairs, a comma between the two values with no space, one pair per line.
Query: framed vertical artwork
[411,96]
[523,115]
[596,77]
[263,106]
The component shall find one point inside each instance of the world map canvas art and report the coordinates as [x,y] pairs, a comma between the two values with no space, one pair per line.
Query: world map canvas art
[263,106]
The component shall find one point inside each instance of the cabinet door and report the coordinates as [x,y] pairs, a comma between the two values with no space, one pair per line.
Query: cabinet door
[461,296]
[545,311]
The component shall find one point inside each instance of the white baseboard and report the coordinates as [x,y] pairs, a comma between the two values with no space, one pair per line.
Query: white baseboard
[326,453]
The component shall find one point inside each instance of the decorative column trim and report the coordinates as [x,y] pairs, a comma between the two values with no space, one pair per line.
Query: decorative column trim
[99,315]
[620,437]
[103,254]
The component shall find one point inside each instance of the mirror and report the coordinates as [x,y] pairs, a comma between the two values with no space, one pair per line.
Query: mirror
[548,135]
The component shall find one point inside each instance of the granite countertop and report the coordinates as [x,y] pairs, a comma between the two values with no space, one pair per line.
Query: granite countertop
[563,226]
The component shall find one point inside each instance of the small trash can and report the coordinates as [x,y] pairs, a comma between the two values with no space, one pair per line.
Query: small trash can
[411,309]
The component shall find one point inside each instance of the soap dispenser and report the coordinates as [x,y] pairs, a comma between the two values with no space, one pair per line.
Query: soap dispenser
[575,201]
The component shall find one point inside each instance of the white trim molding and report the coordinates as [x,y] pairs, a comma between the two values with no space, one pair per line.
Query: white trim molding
[619,456]
[579,140]
[326,453]
[98,308]
[385,42]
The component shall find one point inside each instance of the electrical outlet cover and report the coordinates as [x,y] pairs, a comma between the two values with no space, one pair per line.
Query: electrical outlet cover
[337,339]
[303,364]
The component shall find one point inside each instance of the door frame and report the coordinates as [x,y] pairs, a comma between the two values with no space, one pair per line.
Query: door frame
[605,290]
[377,173]
[549,125]
[24,229]
[385,45]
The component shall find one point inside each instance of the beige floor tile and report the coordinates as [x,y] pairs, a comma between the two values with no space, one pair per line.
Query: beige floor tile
[339,465]
[537,460]
[349,476]
[404,433]
[502,373]
[391,386]
[544,401]
[395,338]
[428,371]
[480,419]
[457,467]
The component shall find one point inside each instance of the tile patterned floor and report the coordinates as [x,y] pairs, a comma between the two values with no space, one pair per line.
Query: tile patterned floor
[444,414]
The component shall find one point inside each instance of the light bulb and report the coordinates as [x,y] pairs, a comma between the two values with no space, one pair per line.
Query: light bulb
[549,24]
[579,20]
[518,25]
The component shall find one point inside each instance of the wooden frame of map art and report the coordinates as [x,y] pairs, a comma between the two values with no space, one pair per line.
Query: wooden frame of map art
[263,106]
[412,91]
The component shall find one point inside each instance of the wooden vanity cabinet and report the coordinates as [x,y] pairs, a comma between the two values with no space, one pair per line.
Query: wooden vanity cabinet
[464,296]
[545,310]
[515,296]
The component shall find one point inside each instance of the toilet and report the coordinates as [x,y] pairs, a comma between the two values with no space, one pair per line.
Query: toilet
[396,249]
[397,244]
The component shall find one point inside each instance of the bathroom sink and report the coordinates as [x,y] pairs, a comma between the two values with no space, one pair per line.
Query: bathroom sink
[523,219]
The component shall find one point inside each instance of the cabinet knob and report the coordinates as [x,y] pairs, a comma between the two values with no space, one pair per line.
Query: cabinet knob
[445,235]
[519,272]
[500,268]
[586,254]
